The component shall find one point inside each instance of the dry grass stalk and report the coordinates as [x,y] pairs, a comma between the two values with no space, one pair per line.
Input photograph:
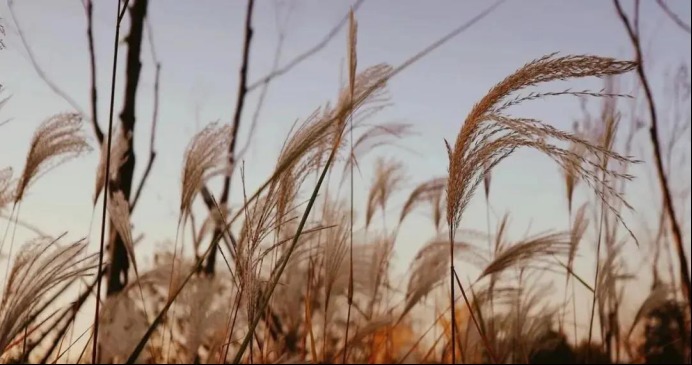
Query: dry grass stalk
[352,63]
[57,140]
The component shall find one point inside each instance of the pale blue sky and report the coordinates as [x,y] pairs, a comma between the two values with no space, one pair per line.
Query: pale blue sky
[199,45]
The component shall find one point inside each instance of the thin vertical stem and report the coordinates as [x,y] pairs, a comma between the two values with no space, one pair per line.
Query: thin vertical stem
[653,132]
[451,294]
[105,184]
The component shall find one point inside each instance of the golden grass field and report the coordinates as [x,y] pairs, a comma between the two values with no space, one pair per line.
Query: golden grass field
[287,276]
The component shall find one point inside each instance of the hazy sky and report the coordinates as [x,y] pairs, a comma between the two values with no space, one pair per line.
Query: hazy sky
[199,45]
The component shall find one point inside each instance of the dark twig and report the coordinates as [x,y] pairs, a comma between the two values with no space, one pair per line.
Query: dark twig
[674,17]
[242,91]
[265,86]
[152,152]
[122,12]
[41,73]
[653,131]
[123,182]
[305,55]
[240,102]
[89,7]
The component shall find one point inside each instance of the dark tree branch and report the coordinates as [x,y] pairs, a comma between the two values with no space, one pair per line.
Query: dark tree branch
[662,177]
[122,13]
[89,7]
[305,55]
[674,17]
[265,86]
[118,276]
[242,91]
[240,102]
[152,152]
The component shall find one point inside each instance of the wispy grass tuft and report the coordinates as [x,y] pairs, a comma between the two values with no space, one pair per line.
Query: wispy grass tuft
[39,267]
[57,140]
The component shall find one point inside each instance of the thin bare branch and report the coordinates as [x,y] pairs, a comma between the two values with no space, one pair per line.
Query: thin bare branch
[653,131]
[307,54]
[89,8]
[242,91]
[265,86]
[41,73]
[240,102]
[152,151]
[674,17]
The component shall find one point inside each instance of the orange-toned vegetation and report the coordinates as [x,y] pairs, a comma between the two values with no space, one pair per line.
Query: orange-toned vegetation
[298,282]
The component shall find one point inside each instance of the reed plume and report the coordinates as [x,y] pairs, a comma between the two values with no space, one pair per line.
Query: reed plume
[431,192]
[57,140]
[428,269]
[205,157]
[389,175]
[527,252]
[488,135]
[39,267]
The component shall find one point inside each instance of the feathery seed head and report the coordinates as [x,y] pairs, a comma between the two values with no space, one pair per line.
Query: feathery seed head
[57,140]
[205,157]
[488,135]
